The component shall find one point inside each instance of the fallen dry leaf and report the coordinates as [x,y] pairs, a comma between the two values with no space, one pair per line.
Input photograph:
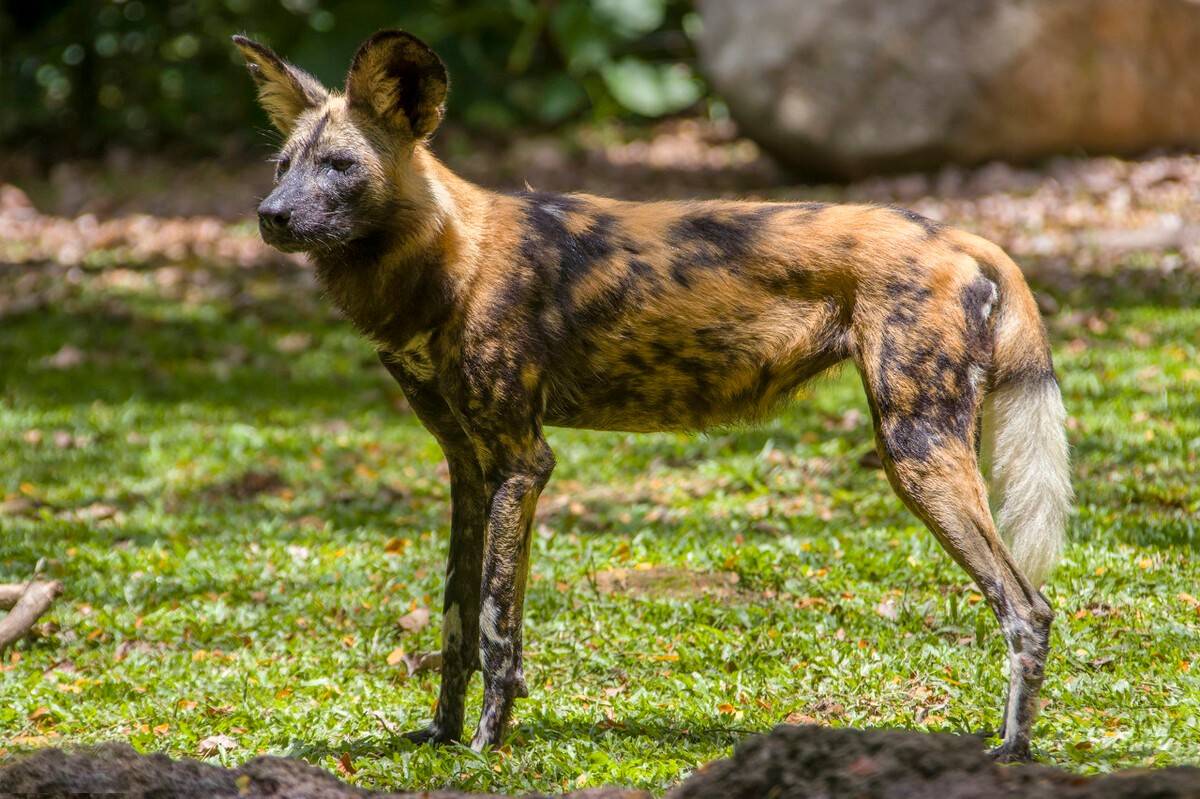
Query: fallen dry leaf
[415,620]
[215,744]
[419,662]
[797,717]
[887,609]
[95,512]
[67,357]
[395,546]
[293,343]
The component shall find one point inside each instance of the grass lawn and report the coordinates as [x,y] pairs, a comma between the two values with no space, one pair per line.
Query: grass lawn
[242,509]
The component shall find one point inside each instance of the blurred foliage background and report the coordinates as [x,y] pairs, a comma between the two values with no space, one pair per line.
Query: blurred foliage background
[76,76]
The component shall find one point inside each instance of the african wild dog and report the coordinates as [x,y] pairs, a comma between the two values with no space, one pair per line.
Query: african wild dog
[498,314]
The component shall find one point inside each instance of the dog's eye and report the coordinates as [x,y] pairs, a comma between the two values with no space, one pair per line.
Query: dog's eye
[339,164]
[282,166]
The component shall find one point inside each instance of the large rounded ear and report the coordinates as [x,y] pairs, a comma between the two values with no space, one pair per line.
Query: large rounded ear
[284,91]
[397,78]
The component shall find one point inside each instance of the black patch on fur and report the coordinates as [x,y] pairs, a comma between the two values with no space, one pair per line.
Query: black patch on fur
[707,241]
[908,438]
[642,269]
[561,259]
[712,239]
[808,209]
[314,137]
[944,405]
[930,227]
[976,296]
[723,237]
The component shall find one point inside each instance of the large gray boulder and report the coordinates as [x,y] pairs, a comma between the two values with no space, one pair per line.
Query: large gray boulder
[843,88]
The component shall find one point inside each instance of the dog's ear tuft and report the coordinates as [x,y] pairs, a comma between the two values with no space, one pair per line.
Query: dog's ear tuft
[397,78]
[284,91]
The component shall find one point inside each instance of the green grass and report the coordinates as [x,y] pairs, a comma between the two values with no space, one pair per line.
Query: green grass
[203,607]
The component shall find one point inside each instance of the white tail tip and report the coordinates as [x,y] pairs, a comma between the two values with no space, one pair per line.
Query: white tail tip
[1031,475]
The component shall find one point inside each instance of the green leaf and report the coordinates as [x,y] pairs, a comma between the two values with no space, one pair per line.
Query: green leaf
[551,100]
[632,18]
[584,39]
[652,90]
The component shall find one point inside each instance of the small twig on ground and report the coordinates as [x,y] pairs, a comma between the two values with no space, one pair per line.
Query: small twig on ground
[383,722]
[28,602]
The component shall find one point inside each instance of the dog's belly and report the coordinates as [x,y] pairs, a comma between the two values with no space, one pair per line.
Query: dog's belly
[696,378]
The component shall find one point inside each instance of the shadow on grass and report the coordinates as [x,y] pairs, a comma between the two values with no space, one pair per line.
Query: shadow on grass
[665,729]
[225,361]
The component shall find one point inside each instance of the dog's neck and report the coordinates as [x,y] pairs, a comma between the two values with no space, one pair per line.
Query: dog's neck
[401,281]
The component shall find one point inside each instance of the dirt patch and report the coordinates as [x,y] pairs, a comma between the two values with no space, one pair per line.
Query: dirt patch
[789,763]
[896,764]
[667,582]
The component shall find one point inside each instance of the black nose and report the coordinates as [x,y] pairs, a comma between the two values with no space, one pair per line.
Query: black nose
[273,216]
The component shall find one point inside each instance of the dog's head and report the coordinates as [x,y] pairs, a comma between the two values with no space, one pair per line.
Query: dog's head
[347,166]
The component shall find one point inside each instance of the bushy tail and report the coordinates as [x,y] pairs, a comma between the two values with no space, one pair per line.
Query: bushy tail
[1030,472]
[1024,425]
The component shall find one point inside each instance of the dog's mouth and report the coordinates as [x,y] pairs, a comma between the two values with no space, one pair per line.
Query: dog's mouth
[290,241]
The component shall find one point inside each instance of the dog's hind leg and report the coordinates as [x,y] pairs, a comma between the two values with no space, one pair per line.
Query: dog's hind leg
[925,389]
[947,493]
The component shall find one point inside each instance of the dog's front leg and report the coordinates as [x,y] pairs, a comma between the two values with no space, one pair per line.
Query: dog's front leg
[520,467]
[460,609]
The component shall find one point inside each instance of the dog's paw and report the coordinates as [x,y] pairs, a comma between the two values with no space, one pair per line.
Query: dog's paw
[1011,752]
[433,734]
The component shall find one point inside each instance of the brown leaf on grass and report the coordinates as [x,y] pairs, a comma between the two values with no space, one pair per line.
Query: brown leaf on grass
[888,610]
[422,661]
[345,765]
[215,744]
[395,546]
[19,506]
[293,343]
[64,439]
[817,713]
[648,581]
[797,717]
[415,620]
[67,357]
[95,512]
[247,486]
